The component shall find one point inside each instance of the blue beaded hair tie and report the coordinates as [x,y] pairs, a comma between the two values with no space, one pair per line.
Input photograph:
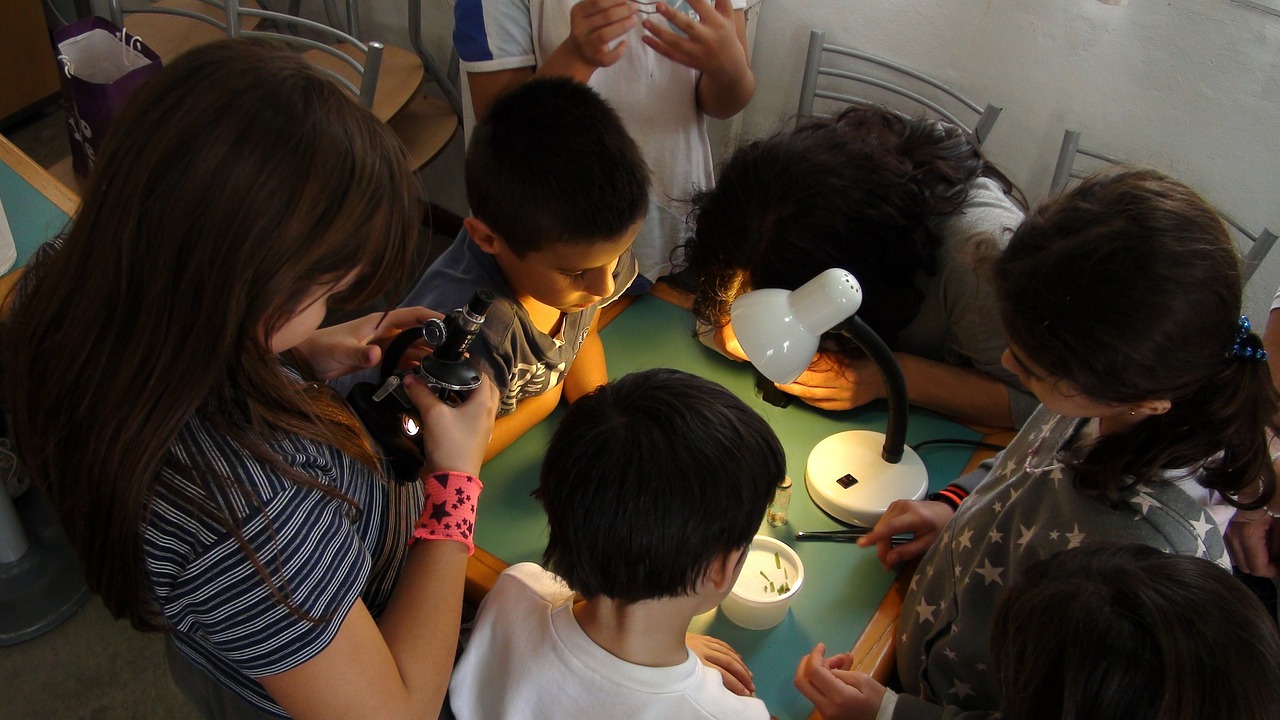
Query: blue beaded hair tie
[1247,345]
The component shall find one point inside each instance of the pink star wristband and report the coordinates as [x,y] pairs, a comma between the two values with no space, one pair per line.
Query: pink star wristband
[450,510]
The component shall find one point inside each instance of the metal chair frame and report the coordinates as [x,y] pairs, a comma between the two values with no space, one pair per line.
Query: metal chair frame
[117,12]
[368,71]
[814,69]
[1065,169]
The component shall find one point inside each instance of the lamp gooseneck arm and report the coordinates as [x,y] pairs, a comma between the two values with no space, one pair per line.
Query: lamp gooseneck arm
[894,382]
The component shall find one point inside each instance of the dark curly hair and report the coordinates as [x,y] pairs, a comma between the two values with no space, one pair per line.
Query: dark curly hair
[855,191]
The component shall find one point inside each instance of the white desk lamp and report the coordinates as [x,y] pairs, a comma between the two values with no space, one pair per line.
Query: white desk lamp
[851,475]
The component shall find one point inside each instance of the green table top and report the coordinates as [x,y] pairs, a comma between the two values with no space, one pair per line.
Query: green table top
[843,583]
[33,218]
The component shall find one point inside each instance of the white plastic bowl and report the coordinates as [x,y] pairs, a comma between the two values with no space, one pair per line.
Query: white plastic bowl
[754,603]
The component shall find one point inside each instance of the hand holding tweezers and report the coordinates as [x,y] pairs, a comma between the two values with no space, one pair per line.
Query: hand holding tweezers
[850,535]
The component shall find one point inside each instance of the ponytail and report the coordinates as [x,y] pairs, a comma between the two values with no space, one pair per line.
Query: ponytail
[1129,288]
[1224,427]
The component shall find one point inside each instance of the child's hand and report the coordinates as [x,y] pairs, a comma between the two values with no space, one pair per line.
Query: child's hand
[922,517]
[837,692]
[727,341]
[340,349]
[837,384]
[454,438]
[717,654]
[595,25]
[1253,541]
[722,340]
[709,44]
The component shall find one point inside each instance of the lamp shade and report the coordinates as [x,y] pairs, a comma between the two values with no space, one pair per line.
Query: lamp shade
[779,329]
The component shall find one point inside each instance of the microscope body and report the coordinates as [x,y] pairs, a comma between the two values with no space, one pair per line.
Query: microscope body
[386,410]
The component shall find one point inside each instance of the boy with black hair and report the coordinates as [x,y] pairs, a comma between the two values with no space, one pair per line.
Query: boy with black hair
[558,191]
[653,486]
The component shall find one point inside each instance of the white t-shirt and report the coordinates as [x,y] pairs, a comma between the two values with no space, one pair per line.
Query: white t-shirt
[655,97]
[529,658]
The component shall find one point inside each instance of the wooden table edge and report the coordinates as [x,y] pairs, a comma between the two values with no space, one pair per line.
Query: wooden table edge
[483,569]
[60,195]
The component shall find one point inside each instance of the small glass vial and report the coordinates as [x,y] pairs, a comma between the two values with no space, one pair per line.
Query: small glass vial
[777,514]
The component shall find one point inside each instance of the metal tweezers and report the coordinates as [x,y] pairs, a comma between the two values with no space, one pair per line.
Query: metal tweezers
[850,535]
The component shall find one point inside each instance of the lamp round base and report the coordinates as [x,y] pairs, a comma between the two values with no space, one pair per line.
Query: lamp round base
[851,482]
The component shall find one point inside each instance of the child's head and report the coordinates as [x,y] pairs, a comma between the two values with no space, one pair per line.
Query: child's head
[245,180]
[651,479]
[1131,633]
[1122,298]
[856,191]
[238,183]
[557,188]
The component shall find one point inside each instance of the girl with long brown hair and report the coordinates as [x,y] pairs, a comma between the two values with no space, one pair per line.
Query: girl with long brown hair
[164,373]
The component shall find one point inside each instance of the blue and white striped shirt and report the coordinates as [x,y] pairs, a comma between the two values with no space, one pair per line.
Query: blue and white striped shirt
[323,555]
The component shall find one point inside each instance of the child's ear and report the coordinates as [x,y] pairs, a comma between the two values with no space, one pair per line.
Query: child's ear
[723,572]
[486,238]
[1153,407]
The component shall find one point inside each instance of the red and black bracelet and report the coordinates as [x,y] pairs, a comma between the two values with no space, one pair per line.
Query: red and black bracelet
[951,495]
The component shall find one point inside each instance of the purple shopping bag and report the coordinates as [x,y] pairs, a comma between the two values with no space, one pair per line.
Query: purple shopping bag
[101,67]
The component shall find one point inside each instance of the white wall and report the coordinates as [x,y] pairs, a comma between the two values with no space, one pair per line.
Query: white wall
[1188,86]
[1192,87]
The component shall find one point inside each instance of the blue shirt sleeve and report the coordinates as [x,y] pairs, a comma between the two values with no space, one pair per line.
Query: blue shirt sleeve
[493,34]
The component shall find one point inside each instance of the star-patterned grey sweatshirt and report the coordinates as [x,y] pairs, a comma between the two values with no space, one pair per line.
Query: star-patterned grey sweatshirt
[1025,509]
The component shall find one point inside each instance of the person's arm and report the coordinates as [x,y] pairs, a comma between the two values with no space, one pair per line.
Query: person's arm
[715,45]
[721,657]
[961,392]
[835,689]
[589,370]
[1253,536]
[528,413]
[922,518]
[594,26]
[1252,541]
[339,350]
[1271,343]
[9,283]
[839,693]
[489,86]
[966,394]
[399,667]
[397,670]
[721,339]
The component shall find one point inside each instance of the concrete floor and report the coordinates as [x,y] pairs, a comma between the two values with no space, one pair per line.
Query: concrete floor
[92,666]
